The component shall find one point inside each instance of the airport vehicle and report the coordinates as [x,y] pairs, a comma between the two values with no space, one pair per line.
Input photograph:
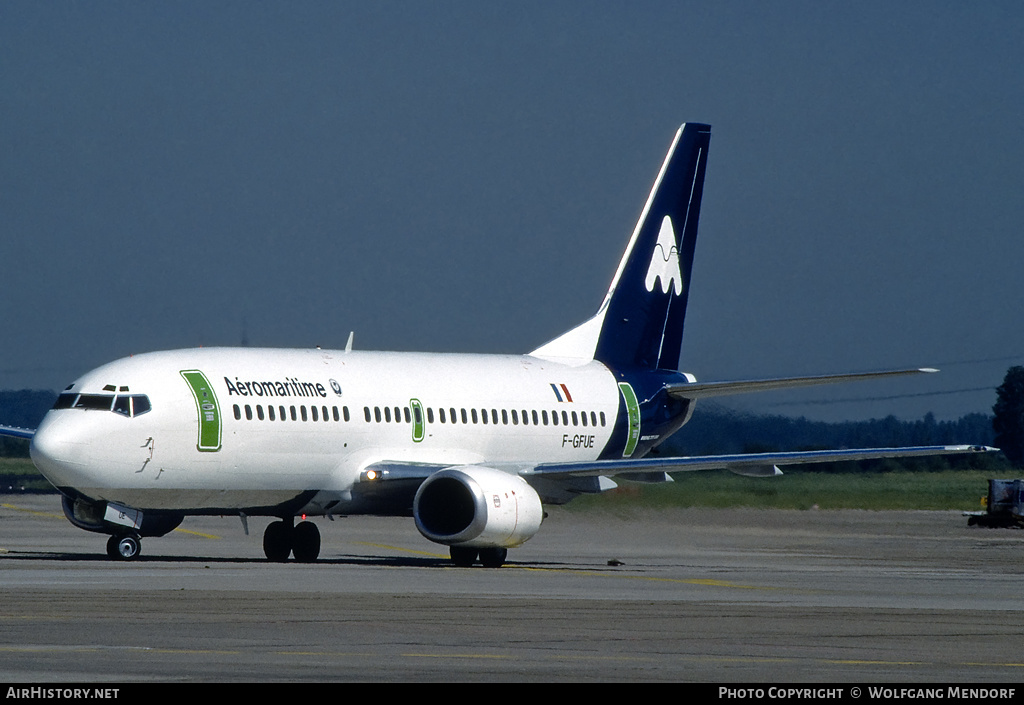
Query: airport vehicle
[1004,506]
[470,446]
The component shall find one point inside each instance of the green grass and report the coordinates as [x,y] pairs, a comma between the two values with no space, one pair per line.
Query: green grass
[950,489]
[19,474]
[797,489]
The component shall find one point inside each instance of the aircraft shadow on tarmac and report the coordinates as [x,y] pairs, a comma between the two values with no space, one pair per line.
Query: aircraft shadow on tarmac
[352,560]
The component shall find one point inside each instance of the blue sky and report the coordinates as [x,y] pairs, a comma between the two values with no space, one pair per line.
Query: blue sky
[463,176]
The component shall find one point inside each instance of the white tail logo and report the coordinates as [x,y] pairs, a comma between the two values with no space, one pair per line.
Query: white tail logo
[665,261]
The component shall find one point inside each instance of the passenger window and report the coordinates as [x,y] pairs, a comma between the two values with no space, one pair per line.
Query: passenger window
[316,416]
[270,412]
[408,419]
[259,411]
[430,414]
[238,413]
[387,414]
[248,413]
[344,411]
[281,409]
[575,421]
[440,412]
[302,411]
[515,417]
[366,413]
[474,416]
[554,418]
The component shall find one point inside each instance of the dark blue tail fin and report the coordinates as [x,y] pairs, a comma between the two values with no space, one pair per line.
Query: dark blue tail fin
[640,323]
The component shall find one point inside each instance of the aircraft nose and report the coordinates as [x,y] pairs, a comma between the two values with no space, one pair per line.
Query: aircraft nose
[56,451]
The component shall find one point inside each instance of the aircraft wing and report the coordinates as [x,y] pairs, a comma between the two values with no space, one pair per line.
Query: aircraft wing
[396,482]
[17,432]
[751,464]
[703,390]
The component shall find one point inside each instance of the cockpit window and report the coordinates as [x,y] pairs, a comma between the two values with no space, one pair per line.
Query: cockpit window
[65,400]
[131,404]
[123,404]
[140,404]
[95,401]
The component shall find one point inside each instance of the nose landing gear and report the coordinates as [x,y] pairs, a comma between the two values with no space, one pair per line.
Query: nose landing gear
[124,548]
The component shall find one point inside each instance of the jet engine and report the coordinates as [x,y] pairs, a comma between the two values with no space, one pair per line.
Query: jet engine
[477,506]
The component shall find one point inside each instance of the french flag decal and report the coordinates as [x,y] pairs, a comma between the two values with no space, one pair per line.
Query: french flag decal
[561,391]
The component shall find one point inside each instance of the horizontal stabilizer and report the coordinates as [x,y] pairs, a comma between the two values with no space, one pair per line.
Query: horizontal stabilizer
[704,390]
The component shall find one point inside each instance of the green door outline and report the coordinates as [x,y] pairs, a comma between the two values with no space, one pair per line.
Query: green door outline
[417,420]
[633,410]
[208,411]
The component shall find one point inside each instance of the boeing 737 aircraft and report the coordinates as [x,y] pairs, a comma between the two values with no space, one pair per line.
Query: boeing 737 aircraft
[470,446]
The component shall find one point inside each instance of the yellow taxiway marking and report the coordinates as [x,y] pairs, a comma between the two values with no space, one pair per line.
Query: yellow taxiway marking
[32,511]
[196,533]
[61,516]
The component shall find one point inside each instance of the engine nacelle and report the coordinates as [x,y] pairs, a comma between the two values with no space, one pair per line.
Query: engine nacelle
[477,506]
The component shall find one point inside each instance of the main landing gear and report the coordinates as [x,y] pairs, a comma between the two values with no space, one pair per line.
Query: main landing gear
[465,557]
[281,538]
[124,548]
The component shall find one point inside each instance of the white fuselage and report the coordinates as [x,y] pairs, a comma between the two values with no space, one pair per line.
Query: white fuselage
[288,422]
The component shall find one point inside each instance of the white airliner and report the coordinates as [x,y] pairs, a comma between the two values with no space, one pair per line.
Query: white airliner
[470,446]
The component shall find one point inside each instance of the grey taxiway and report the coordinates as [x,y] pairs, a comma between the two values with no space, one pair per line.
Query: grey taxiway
[697,594]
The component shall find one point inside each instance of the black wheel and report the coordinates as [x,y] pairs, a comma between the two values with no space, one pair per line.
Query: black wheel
[124,548]
[306,542]
[277,541]
[493,557]
[462,556]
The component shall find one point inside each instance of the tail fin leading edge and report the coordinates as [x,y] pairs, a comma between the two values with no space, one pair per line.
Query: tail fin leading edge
[640,322]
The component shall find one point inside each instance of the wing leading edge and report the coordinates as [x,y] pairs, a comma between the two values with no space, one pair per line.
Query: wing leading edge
[17,432]
[754,464]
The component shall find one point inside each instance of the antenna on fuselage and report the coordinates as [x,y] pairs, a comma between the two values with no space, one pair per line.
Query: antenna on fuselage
[348,345]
